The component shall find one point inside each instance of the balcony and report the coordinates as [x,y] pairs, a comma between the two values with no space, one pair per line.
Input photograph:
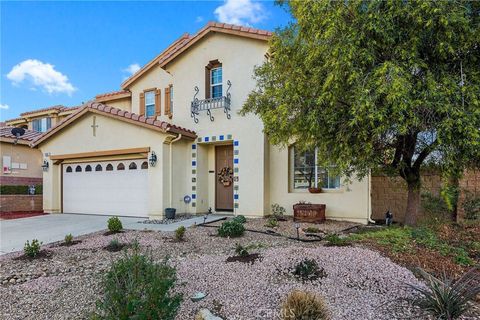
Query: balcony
[198,106]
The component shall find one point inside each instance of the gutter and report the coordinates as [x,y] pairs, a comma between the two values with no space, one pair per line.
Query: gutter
[171,168]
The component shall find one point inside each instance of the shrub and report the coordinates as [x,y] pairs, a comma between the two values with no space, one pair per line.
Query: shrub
[5,189]
[231,229]
[32,249]
[278,211]
[135,287]
[271,223]
[471,206]
[241,250]
[334,240]
[308,269]
[180,233]
[300,305]
[240,219]
[444,299]
[114,224]
[114,245]
[68,239]
[312,230]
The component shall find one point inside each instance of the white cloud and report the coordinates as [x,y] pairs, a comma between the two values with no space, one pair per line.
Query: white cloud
[4,106]
[198,19]
[241,12]
[41,75]
[131,69]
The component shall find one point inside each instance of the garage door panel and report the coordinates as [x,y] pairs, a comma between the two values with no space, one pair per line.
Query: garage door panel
[116,192]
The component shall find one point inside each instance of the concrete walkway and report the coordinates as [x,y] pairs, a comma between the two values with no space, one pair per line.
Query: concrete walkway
[53,227]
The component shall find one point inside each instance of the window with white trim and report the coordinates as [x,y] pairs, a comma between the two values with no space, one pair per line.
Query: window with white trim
[216,82]
[149,103]
[305,173]
[42,124]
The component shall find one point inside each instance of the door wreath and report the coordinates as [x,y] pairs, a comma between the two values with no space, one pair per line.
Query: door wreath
[225,176]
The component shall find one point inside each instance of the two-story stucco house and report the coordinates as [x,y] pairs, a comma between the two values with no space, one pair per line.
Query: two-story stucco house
[172,137]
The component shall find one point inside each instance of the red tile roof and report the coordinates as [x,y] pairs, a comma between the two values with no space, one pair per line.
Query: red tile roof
[30,135]
[186,40]
[103,109]
[53,108]
[111,94]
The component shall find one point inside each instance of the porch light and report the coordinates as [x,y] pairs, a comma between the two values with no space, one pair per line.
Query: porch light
[45,165]
[153,159]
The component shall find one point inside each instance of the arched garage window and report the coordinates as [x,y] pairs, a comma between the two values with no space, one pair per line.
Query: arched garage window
[88,168]
[144,165]
[109,167]
[132,166]
[69,169]
[121,166]
[98,167]
[78,169]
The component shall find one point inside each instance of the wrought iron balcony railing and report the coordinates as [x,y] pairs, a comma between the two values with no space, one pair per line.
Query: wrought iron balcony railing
[209,104]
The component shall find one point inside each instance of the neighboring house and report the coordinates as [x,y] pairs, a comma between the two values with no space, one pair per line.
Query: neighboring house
[41,120]
[172,137]
[21,166]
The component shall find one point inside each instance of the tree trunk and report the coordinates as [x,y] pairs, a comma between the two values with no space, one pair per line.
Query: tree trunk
[413,204]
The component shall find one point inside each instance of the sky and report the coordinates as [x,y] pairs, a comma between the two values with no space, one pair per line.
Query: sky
[65,53]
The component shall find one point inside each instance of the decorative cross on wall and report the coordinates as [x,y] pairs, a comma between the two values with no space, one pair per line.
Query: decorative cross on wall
[94,126]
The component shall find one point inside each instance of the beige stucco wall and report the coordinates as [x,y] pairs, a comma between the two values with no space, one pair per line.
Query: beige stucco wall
[111,135]
[351,202]
[124,104]
[238,56]
[22,154]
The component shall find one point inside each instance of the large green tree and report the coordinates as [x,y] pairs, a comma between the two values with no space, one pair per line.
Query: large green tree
[376,84]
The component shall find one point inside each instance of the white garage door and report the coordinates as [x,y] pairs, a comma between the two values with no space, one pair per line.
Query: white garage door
[108,188]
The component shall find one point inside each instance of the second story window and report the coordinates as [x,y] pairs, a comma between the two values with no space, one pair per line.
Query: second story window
[41,125]
[171,99]
[216,82]
[149,103]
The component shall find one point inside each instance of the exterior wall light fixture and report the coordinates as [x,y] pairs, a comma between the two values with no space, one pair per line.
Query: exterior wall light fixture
[153,159]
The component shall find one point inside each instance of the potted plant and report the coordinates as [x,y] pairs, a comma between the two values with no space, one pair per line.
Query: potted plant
[170,213]
[309,176]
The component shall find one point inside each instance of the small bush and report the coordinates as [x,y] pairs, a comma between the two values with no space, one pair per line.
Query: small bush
[231,229]
[180,233]
[333,240]
[308,270]
[240,219]
[300,305]
[114,224]
[32,249]
[114,245]
[278,211]
[444,299]
[135,287]
[471,206]
[271,223]
[312,230]
[241,250]
[68,239]
[5,189]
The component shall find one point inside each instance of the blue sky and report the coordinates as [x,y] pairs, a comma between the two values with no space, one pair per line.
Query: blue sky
[67,52]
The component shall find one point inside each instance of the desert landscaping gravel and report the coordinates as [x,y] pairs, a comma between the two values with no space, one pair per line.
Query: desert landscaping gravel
[65,285]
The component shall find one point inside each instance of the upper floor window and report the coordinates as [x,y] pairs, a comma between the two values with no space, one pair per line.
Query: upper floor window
[305,173]
[149,103]
[171,99]
[42,125]
[216,82]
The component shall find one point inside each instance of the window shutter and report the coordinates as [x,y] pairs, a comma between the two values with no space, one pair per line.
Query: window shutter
[207,82]
[167,101]
[158,103]
[142,104]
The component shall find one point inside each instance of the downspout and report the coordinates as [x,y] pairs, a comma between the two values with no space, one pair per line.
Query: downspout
[171,168]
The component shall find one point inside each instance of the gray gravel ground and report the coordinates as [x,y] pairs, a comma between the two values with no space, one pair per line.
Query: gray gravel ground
[66,285]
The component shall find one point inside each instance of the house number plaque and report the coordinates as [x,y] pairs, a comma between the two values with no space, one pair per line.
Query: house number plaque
[312,213]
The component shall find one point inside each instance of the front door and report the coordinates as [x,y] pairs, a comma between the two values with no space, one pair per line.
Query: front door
[224,177]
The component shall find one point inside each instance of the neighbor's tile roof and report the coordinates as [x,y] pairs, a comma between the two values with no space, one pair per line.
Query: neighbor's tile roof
[103,109]
[53,108]
[186,40]
[30,135]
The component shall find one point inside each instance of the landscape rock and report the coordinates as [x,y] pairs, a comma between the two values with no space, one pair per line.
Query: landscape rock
[205,314]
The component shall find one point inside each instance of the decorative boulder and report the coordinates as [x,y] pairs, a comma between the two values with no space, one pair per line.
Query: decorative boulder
[205,314]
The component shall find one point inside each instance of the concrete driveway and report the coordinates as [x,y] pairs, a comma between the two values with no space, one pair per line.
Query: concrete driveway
[53,227]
